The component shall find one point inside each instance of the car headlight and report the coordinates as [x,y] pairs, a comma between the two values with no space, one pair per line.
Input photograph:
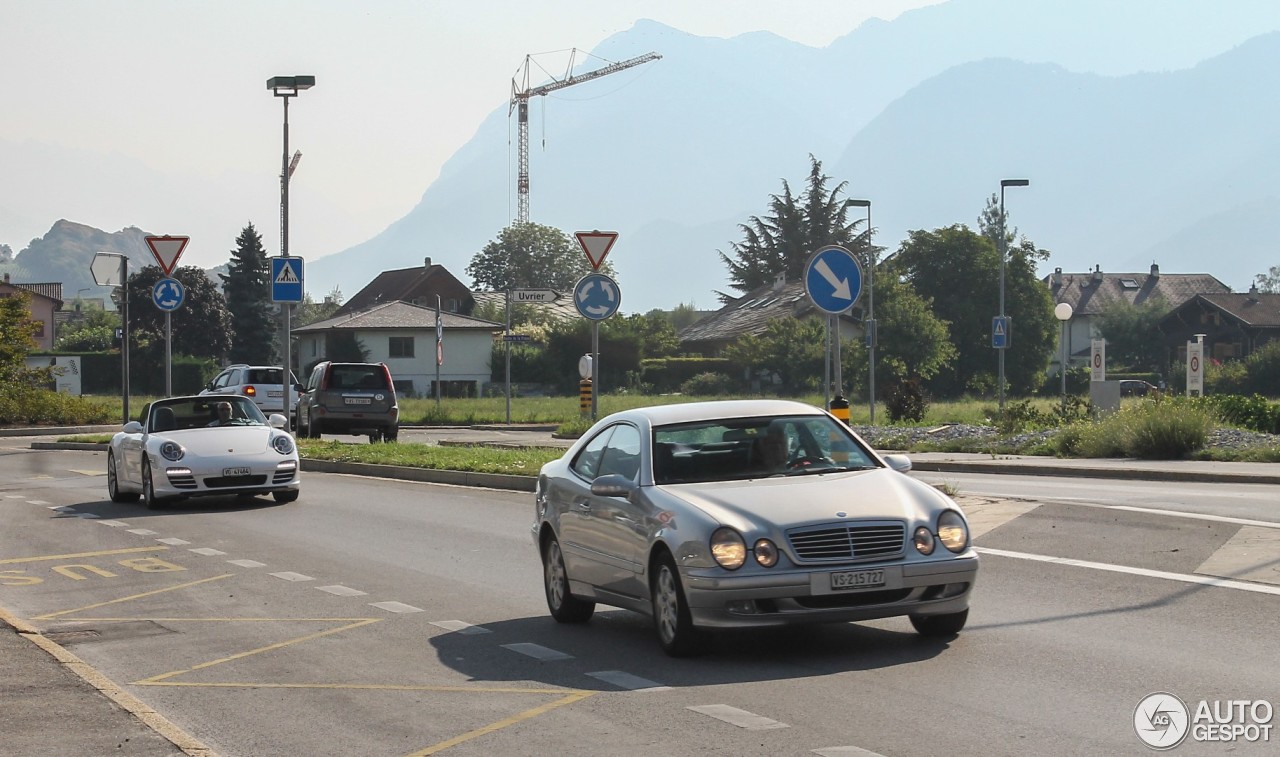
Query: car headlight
[924,540]
[283,444]
[953,532]
[728,548]
[766,553]
[172,451]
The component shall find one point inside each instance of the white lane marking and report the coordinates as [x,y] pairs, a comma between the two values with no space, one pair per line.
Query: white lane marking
[15,496]
[248,563]
[207,551]
[740,718]
[342,591]
[537,651]
[173,542]
[627,681]
[88,472]
[1253,554]
[143,531]
[90,516]
[113,523]
[395,607]
[1183,577]
[42,502]
[1195,516]
[458,626]
[846,751]
[292,576]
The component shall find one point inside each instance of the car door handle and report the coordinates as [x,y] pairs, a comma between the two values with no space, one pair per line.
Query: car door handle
[582,506]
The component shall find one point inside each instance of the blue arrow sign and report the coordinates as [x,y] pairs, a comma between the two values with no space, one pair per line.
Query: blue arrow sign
[833,279]
[596,296]
[168,294]
[286,279]
[1000,332]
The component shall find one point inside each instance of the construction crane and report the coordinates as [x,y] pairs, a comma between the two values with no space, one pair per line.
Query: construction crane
[520,94]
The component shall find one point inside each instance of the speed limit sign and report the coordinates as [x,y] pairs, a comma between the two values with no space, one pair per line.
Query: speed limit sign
[1098,360]
[1195,369]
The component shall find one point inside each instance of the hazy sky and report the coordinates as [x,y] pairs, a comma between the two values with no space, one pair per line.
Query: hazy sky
[174,92]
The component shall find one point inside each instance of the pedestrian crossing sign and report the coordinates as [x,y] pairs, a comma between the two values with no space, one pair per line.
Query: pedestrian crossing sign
[286,279]
[1000,332]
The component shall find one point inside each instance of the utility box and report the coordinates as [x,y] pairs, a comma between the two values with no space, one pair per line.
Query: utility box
[1105,396]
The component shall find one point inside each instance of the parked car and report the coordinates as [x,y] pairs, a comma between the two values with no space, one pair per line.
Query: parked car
[746,514]
[356,399]
[1137,388]
[201,446]
[260,383]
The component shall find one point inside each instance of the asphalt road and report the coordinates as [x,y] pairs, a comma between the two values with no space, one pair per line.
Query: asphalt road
[381,617]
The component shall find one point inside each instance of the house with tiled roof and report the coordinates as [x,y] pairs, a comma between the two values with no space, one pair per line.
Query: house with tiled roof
[419,286]
[44,302]
[403,335]
[1090,294]
[751,315]
[1234,325]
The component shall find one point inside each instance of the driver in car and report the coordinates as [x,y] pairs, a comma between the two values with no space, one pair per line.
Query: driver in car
[224,415]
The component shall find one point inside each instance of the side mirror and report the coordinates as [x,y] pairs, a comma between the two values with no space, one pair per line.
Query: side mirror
[613,485]
[133,427]
[278,421]
[900,463]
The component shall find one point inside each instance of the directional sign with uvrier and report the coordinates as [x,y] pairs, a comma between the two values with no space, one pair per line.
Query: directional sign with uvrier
[168,294]
[596,296]
[833,279]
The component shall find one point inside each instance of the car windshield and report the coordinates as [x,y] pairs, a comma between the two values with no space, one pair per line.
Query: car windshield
[204,412]
[741,448]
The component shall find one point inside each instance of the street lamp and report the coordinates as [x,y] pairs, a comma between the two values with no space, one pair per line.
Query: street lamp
[1003,244]
[1063,313]
[869,323]
[285,87]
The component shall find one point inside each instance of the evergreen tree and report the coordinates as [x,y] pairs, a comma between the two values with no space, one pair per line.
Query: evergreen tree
[247,288]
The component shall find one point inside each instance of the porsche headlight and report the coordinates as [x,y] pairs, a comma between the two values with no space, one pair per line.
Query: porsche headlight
[283,444]
[766,553]
[172,451]
[728,548]
[953,532]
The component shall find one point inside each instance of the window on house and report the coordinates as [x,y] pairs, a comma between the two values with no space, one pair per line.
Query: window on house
[400,346]
[39,329]
[1129,283]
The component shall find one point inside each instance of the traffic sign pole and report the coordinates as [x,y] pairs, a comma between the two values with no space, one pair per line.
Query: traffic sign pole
[168,354]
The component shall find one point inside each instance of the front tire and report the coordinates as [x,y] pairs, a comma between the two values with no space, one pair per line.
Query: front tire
[113,483]
[940,625]
[285,496]
[149,497]
[564,607]
[671,617]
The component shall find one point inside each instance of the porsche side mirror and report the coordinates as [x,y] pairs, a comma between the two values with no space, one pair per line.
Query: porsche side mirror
[133,427]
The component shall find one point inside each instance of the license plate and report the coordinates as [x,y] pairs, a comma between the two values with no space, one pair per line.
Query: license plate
[357,400]
[236,471]
[857,579]
[274,394]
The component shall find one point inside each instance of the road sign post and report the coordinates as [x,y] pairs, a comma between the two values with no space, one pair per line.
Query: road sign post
[540,296]
[168,295]
[287,287]
[596,296]
[833,281]
[1098,360]
[1001,331]
[1195,367]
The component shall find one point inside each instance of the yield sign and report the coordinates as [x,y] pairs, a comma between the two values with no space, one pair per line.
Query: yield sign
[596,244]
[167,250]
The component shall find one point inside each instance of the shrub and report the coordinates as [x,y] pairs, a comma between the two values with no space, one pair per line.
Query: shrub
[1264,369]
[906,401]
[23,405]
[708,384]
[1255,413]
[1231,377]
[1169,429]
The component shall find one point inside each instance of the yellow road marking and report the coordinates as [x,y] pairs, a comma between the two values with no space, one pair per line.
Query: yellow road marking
[42,558]
[576,696]
[52,615]
[352,686]
[259,650]
[89,472]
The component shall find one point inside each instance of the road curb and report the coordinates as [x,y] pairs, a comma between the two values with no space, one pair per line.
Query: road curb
[1130,474]
[426,475]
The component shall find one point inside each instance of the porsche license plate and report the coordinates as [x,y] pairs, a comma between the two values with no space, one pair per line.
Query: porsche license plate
[357,400]
[236,471]
[857,579]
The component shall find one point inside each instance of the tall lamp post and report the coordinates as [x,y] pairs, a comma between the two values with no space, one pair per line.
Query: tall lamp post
[285,87]
[869,323]
[1004,253]
[1063,313]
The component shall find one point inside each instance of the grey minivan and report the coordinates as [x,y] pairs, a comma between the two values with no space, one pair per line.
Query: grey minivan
[356,399]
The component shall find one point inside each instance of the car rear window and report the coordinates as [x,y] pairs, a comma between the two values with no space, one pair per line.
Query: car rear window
[358,377]
[264,376]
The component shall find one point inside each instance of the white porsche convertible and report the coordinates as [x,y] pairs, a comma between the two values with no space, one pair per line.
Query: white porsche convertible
[202,446]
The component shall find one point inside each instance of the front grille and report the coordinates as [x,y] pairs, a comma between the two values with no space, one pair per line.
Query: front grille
[858,599]
[223,482]
[186,481]
[283,475]
[845,543]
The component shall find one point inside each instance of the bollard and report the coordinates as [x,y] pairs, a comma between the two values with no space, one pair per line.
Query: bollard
[584,396]
[840,408]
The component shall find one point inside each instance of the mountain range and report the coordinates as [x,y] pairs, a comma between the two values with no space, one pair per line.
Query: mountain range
[1146,129]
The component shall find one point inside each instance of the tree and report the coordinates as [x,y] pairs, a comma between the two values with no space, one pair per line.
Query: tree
[913,342]
[17,337]
[310,311]
[1269,281]
[93,331]
[247,288]
[959,270]
[780,243]
[530,255]
[201,327]
[792,350]
[1133,334]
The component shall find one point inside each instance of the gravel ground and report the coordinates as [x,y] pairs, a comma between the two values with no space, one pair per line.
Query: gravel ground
[898,437]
